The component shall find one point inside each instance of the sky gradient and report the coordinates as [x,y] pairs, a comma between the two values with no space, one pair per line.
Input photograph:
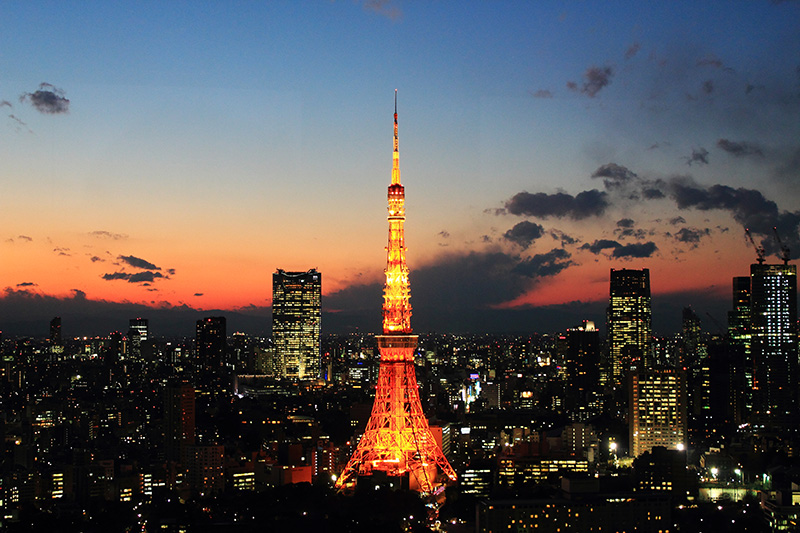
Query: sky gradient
[173,155]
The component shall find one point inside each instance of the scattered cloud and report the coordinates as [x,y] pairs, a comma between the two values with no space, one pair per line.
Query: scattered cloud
[27,284]
[595,78]
[625,223]
[544,265]
[563,237]
[444,234]
[48,99]
[677,220]
[560,205]
[635,250]
[24,238]
[385,8]
[139,277]
[62,251]
[708,86]
[542,93]
[614,175]
[699,156]
[599,245]
[95,259]
[710,61]
[198,294]
[5,103]
[102,234]
[524,233]
[740,149]
[137,262]
[691,235]
[632,50]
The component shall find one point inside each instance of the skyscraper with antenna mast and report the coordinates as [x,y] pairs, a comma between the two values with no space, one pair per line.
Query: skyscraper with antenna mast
[397,440]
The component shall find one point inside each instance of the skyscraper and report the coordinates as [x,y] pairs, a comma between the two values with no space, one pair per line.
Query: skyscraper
[657,410]
[773,342]
[398,441]
[179,419]
[629,328]
[211,339]
[296,319]
[582,363]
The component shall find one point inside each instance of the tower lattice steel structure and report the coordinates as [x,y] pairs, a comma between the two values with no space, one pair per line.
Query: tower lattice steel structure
[397,440]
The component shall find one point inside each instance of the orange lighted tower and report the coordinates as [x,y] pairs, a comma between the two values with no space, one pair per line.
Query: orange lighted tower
[397,440]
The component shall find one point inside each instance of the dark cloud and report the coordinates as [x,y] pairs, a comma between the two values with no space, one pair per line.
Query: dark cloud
[108,235]
[632,50]
[740,149]
[699,156]
[708,86]
[6,103]
[651,193]
[24,238]
[598,246]
[625,223]
[27,284]
[137,262]
[62,251]
[95,259]
[171,271]
[691,235]
[635,250]
[524,233]
[542,93]
[544,265]
[560,205]
[595,78]
[20,123]
[563,237]
[139,277]
[615,176]
[677,220]
[444,234]
[748,207]
[198,294]
[48,99]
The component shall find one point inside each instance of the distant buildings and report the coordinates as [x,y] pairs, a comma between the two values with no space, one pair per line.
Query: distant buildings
[629,326]
[296,318]
[179,419]
[582,363]
[657,410]
[773,338]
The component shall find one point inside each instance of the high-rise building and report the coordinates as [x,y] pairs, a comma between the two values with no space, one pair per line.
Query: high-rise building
[657,410]
[212,341]
[773,342]
[179,418]
[739,316]
[398,441]
[629,329]
[582,364]
[55,331]
[142,326]
[296,318]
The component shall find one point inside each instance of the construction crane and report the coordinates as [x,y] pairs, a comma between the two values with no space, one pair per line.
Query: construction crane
[760,252]
[784,255]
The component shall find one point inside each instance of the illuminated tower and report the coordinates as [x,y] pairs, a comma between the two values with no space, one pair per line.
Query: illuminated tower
[628,320]
[657,414]
[397,440]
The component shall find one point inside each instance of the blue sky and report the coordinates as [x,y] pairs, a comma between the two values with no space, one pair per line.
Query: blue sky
[219,141]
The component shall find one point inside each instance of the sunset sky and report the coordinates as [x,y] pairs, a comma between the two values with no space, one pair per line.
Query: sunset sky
[174,154]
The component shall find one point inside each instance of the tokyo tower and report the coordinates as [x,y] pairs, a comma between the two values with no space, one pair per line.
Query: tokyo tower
[397,440]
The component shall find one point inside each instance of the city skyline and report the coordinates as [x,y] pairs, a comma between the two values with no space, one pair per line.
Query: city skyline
[155,156]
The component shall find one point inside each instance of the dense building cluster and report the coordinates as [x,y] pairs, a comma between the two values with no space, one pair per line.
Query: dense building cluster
[536,427]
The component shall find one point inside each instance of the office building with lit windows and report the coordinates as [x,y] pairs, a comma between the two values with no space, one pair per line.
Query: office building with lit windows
[296,319]
[657,410]
[628,316]
[773,342]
